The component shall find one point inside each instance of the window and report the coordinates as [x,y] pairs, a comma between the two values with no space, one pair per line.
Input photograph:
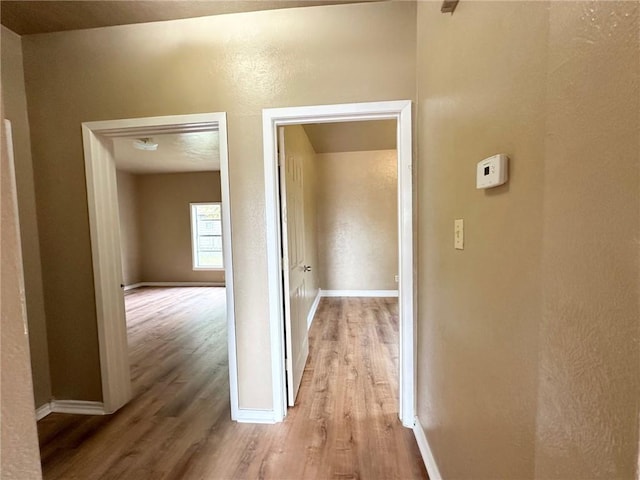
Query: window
[206,236]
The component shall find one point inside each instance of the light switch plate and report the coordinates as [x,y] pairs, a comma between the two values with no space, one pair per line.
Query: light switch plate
[458,234]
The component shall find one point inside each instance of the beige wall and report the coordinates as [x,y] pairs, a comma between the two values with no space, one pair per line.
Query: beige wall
[358,220]
[589,371]
[528,357]
[235,63]
[148,204]
[165,224]
[13,93]
[129,227]
[19,455]
[298,144]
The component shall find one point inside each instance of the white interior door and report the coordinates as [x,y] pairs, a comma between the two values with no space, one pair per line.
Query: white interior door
[293,255]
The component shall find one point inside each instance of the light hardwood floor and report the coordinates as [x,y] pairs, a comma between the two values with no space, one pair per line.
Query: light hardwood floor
[344,426]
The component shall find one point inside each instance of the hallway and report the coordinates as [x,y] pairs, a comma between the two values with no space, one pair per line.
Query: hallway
[178,424]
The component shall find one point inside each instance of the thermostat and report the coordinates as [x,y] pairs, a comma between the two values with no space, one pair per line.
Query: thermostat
[492,171]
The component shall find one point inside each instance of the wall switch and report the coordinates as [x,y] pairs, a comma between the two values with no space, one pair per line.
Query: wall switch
[395,278]
[458,234]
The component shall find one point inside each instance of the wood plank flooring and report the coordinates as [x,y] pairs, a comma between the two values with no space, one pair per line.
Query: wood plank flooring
[344,426]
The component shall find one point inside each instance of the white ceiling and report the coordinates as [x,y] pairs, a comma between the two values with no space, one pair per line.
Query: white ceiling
[185,152]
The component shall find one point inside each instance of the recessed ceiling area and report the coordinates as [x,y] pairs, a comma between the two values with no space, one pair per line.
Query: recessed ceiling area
[28,17]
[183,152]
[352,136]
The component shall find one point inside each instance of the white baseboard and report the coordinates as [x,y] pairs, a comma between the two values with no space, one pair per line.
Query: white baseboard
[425,451]
[255,416]
[42,411]
[313,309]
[173,284]
[77,407]
[359,293]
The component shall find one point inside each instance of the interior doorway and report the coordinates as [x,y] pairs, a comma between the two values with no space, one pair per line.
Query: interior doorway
[169,205]
[279,296]
[339,217]
[102,193]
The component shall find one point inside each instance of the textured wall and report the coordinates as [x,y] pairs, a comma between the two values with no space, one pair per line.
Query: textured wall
[530,334]
[19,455]
[358,220]
[479,308]
[165,224]
[16,111]
[589,378]
[129,227]
[235,63]
[148,204]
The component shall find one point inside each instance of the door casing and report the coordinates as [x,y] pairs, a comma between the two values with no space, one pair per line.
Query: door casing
[273,118]
[105,242]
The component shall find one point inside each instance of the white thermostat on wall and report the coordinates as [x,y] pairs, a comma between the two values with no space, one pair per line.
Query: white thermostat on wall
[492,171]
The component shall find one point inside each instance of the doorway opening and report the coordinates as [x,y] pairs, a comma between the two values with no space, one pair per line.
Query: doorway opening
[278,244]
[105,162]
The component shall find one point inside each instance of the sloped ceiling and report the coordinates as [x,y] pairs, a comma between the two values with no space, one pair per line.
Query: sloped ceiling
[30,17]
[352,136]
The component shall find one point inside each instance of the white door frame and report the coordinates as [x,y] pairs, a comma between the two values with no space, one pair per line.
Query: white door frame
[272,118]
[105,242]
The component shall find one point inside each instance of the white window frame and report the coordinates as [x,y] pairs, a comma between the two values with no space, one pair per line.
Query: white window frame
[194,237]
